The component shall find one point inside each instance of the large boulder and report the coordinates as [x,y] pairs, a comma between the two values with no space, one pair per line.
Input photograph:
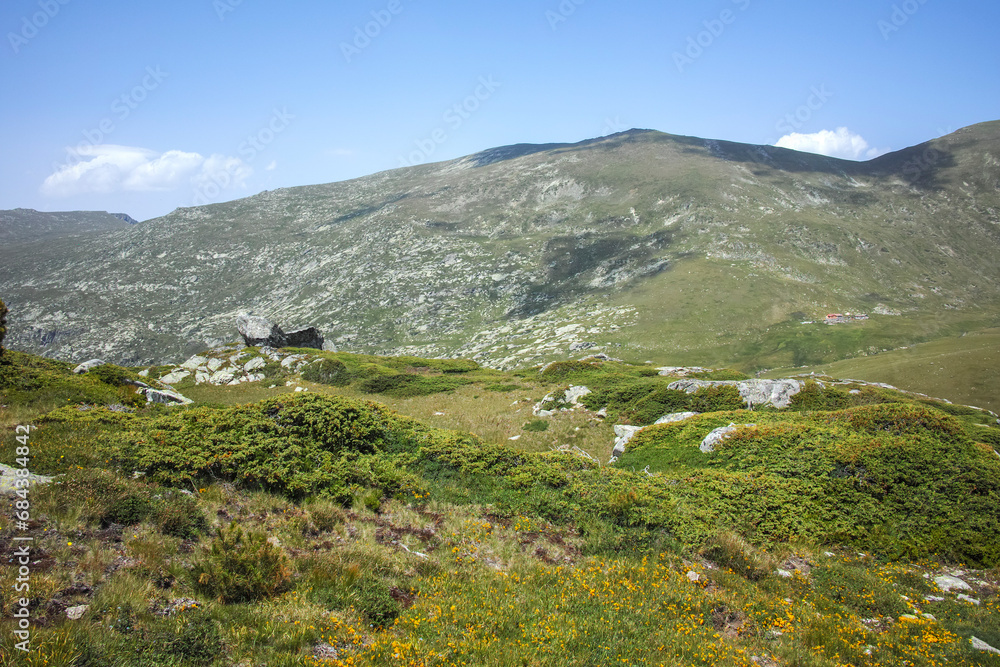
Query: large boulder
[262,332]
[753,392]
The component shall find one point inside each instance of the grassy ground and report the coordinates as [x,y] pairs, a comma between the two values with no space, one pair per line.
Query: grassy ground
[426,545]
[963,369]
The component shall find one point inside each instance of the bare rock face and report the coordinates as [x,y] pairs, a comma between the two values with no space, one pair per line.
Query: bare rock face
[261,332]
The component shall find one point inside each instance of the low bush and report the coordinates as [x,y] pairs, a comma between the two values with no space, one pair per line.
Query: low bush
[327,371]
[241,567]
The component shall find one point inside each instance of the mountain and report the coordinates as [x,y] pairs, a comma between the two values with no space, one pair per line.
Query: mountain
[644,244]
[23,225]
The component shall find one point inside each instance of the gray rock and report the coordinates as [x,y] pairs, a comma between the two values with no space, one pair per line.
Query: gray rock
[308,337]
[164,396]
[966,598]
[718,435]
[259,331]
[948,583]
[9,477]
[753,392]
[214,364]
[254,364]
[675,417]
[175,376]
[221,377]
[87,366]
[623,434]
[329,347]
[582,345]
[681,371]
[195,362]
[76,613]
[980,645]
[292,360]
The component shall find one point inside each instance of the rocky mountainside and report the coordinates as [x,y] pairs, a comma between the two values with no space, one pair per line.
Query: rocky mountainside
[645,244]
[24,225]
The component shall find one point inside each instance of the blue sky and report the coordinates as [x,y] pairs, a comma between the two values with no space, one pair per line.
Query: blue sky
[145,107]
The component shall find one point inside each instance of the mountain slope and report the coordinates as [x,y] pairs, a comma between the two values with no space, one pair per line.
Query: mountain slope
[647,244]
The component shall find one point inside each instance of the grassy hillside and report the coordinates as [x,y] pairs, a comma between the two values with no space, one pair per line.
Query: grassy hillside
[645,244]
[361,510]
[964,369]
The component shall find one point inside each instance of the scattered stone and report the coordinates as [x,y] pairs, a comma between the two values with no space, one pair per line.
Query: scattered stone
[947,583]
[164,396]
[582,345]
[602,413]
[178,605]
[195,362]
[929,617]
[174,377]
[693,576]
[908,617]
[980,645]
[934,598]
[215,364]
[76,613]
[514,437]
[571,397]
[254,364]
[224,376]
[292,360]
[753,392]
[966,598]
[88,366]
[785,574]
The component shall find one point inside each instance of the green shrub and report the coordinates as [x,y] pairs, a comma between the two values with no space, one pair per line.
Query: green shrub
[730,550]
[561,370]
[716,399]
[502,388]
[241,567]
[408,385]
[295,445]
[375,602]
[111,374]
[178,515]
[327,371]
[129,509]
[536,426]
[192,636]
[720,374]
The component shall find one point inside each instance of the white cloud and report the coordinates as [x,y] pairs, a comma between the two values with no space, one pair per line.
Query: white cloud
[272,166]
[841,143]
[110,168]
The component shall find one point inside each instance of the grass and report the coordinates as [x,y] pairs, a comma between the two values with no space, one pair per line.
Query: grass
[964,369]
[433,546]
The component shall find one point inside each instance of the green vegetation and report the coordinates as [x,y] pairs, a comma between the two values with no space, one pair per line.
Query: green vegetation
[322,528]
[3,324]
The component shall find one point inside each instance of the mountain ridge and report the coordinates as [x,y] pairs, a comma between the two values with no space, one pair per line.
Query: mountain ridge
[643,243]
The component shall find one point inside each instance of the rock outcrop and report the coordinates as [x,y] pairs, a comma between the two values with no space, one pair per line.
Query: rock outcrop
[718,435]
[88,366]
[568,400]
[624,433]
[753,392]
[262,332]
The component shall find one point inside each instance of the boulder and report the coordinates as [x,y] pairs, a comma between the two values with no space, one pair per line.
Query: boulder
[259,331]
[623,433]
[164,396]
[88,366]
[948,583]
[254,364]
[675,417]
[718,435]
[308,337]
[76,613]
[175,376]
[262,332]
[753,392]
[980,645]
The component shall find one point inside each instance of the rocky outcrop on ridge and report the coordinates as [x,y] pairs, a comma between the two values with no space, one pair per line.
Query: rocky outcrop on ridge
[261,332]
[754,393]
